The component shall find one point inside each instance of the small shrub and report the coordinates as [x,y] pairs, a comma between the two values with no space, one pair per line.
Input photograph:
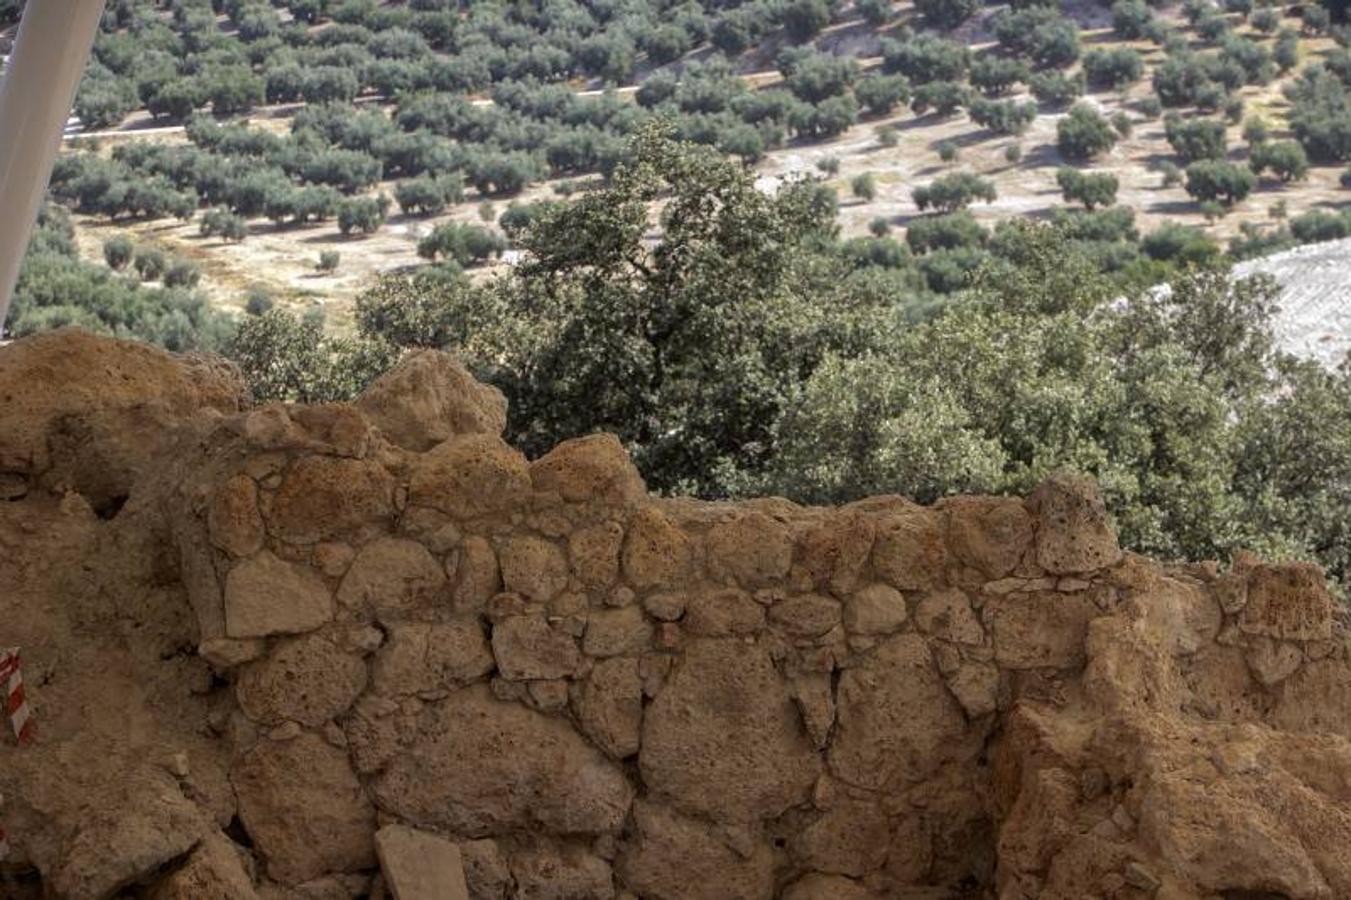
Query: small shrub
[1013,153]
[947,151]
[182,273]
[864,186]
[879,226]
[329,260]
[150,264]
[830,165]
[118,252]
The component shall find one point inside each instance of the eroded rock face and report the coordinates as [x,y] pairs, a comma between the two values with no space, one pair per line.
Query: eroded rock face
[398,621]
[529,771]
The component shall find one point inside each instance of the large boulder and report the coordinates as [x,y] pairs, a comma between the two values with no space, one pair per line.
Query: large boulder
[724,739]
[528,771]
[1074,533]
[429,397]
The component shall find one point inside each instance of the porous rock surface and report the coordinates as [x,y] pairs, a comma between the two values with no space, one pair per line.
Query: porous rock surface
[306,625]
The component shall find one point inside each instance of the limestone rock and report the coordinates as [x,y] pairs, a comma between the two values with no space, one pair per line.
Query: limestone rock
[304,809]
[723,739]
[390,574]
[420,657]
[591,468]
[721,613]
[325,497]
[610,706]
[594,554]
[545,871]
[815,698]
[213,871]
[1039,630]
[750,548]
[876,609]
[976,687]
[834,552]
[533,567]
[530,771]
[485,870]
[1184,617]
[671,857]
[948,615]
[266,596]
[1073,531]
[470,475]
[526,648]
[806,615]
[233,517]
[896,721]
[851,838]
[477,575]
[420,866]
[306,680]
[910,553]
[428,398]
[1317,698]
[656,553]
[614,632]
[1272,661]
[1289,601]
[989,533]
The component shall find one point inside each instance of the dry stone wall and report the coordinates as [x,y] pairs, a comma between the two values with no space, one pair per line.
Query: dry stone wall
[599,693]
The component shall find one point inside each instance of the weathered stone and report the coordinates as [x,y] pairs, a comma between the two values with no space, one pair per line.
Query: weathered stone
[896,721]
[306,680]
[470,475]
[806,615]
[668,607]
[1183,617]
[815,698]
[656,553]
[910,553]
[226,653]
[723,740]
[545,871]
[1272,661]
[1288,601]
[325,497]
[215,870]
[720,613]
[526,648]
[391,574]
[265,596]
[337,428]
[477,575]
[614,632]
[815,886]
[1039,630]
[533,567]
[852,838]
[876,609]
[591,468]
[594,554]
[610,706]
[429,397]
[529,771]
[833,554]
[233,518]
[671,856]
[1073,531]
[948,615]
[431,528]
[333,558]
[989,533]
[1316,698]
[304,809]
[421,657]
[1231,591]
[126,831]
[485,870]
[976,687]
[749,548]
[420,866]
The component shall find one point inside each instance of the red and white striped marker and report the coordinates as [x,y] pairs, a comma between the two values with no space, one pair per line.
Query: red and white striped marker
[11,679]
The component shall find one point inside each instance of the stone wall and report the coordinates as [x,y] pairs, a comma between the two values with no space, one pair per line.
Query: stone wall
[394,617]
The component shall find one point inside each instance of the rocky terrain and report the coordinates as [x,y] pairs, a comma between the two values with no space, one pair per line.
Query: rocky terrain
[255,635]
[1314,319]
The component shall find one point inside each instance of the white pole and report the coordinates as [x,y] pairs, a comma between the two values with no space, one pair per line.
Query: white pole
[50,52]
